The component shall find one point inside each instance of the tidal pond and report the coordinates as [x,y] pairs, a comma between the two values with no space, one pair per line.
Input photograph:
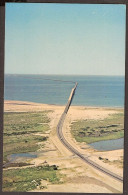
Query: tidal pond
[108,145]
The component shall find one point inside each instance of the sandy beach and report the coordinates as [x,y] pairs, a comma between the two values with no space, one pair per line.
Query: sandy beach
[78,176]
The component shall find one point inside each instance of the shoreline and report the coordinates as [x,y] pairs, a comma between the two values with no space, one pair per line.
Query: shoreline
[84,113]
[107,140]
[55,153]
[20,102]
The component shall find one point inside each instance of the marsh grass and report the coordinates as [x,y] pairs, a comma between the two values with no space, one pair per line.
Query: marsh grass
[22,123]
[19,129]
[90,131]
[27,179]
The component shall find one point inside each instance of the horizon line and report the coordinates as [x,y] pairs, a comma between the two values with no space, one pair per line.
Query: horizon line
[59,74]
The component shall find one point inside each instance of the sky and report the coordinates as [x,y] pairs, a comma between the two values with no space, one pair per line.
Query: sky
[78,39]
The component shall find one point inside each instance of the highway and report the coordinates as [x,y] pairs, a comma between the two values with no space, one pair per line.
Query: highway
[72,149]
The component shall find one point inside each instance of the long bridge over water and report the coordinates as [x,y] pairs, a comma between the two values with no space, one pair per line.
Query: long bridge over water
[72,149]
[68,145]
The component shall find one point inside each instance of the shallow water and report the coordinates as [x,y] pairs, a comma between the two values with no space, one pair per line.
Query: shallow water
[13,157]
[108,145]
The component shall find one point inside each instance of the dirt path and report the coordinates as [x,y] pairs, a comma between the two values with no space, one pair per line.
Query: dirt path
[77,175]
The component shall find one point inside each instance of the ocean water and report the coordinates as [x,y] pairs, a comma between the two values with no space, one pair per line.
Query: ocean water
[105,91]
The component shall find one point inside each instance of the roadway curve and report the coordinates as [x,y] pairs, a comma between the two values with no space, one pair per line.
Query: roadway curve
[73,150]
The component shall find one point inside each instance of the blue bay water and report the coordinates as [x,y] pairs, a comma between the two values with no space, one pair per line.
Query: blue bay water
[105,91]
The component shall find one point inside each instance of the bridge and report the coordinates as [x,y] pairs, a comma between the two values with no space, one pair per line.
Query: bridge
[72,149]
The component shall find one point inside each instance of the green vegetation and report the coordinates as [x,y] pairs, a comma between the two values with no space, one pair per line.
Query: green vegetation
[19,130]
[22,123]
[22,180]
[20,136]
[90,131]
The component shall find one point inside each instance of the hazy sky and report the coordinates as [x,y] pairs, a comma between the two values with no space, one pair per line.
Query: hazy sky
[65,39]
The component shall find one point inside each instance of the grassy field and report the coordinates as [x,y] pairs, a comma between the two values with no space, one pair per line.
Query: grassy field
[27,179]
[19,132]
[90,131]
[20,137]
